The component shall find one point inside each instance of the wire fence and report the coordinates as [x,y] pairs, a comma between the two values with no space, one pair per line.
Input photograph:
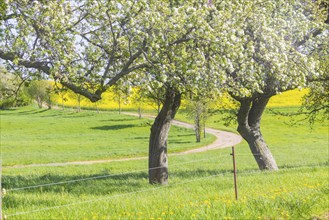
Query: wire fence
[213,159]
[107,176]
[143,170]
[111,197]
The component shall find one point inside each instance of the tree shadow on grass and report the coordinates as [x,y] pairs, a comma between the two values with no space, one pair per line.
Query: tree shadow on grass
[113,127]
[186,135]
[141,138]
[97,184]
[106,183]
[33,112]
[9,109]
[172,143]
[103,183]
[120,119]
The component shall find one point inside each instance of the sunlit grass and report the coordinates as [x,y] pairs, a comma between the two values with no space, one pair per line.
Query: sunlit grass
[200,185]
[30,135]
[205,192]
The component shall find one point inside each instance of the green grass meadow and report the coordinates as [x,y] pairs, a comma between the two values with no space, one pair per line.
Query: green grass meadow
[34,136]
[200,185]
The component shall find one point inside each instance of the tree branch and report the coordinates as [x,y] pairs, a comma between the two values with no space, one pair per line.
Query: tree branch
[10,56]
[8,17]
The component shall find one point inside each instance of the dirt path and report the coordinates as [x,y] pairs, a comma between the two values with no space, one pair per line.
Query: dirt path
[223,139]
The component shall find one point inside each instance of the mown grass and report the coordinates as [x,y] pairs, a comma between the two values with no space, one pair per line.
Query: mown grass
[30,135]
[200,185]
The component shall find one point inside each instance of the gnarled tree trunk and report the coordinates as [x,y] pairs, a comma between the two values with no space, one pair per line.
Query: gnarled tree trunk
[249,117]
[158,158]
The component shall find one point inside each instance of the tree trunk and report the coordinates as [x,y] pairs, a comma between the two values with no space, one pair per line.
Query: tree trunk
[39,101]
[49,103]
[63,103]
[79,103]
[158,106]
[139,111]
[119,102]
[197,128]
[204,129]
[158,158]
[96,107]
[249,117]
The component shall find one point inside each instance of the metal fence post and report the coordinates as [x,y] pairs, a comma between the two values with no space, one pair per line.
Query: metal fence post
[234,173]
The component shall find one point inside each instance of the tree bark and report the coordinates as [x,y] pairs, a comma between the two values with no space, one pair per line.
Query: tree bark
[249,117]
[119,103]
[158,158]
[204,129]
[139,111]
[62,102]
[79,103]
[197,127]
[39,101]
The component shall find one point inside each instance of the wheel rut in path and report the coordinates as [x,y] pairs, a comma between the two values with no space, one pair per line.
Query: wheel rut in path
[223,139]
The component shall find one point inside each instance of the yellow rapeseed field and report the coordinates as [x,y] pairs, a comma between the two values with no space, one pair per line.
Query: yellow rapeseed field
[110,101]
[289,98]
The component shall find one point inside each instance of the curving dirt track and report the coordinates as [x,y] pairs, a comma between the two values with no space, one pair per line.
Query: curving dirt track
[223,139]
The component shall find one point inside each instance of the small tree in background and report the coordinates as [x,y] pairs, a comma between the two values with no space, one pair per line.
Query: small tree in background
[61,91]
[40,91]
[197,109]
[121,91]
[139,98]
[156,95]
[12,93]
[75,96]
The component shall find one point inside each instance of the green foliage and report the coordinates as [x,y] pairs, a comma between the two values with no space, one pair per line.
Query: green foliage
[12,92]
[40,90]
[316,101]
[197,108]
[121,91]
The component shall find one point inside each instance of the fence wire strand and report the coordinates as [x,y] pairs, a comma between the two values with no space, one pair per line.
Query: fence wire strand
[110,197]
[137,191]
[106,176]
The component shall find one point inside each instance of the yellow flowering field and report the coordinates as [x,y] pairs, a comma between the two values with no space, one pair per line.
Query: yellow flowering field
[110,101]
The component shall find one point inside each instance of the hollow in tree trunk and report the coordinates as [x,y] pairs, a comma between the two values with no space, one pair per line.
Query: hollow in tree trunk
[249,117]
[158,158]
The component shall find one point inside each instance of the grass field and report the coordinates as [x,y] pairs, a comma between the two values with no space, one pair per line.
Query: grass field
[31,135]
[200,185]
